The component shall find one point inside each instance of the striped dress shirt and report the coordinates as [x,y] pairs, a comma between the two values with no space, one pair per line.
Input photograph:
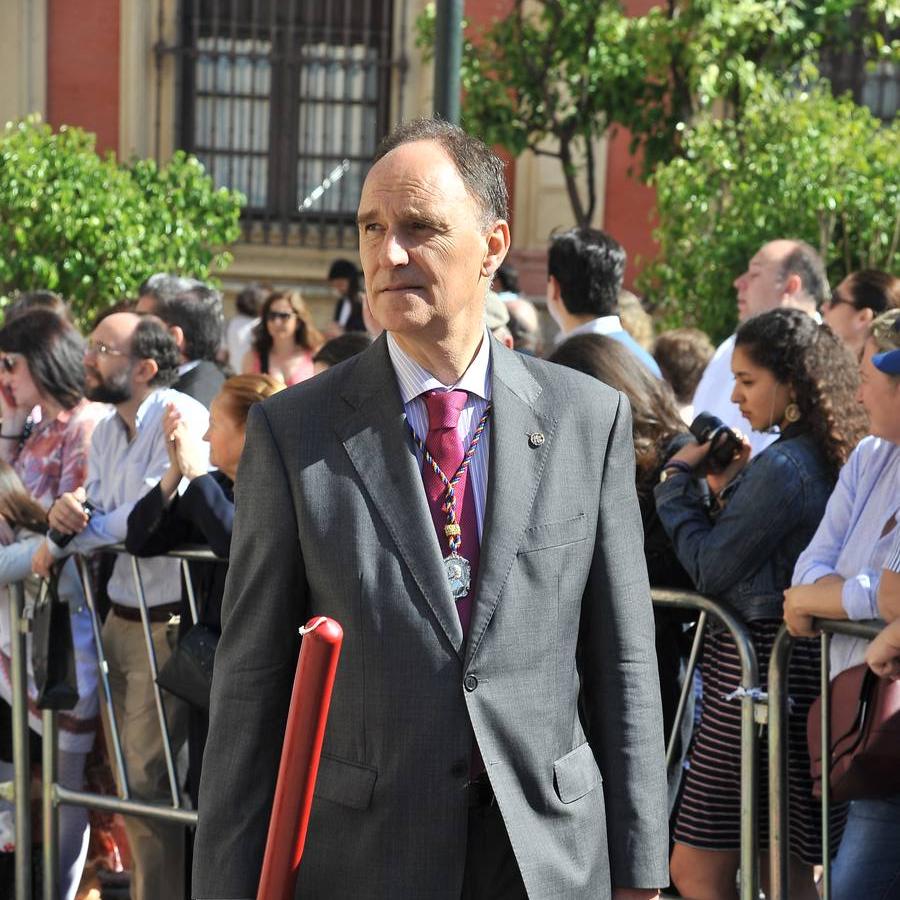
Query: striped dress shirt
[414,381]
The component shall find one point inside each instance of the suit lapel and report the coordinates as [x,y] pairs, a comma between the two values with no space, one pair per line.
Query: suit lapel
[515,468]
[376,437]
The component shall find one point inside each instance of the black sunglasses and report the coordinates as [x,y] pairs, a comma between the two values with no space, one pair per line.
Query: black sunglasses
[276,316]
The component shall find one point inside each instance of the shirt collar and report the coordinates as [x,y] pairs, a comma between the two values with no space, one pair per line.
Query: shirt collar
[149,402]
[186,367]
[413,380]
[602,325]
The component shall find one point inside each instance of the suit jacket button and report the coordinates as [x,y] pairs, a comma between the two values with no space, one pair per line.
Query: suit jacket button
[458,769]
[470,683]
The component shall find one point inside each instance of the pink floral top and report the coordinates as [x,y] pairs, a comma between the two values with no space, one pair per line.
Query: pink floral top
[54,458]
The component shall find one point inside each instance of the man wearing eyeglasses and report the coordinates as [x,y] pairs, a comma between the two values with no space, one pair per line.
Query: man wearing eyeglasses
[129,363]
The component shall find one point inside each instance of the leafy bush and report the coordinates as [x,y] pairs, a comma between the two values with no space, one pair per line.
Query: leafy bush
[805,165]
[92,229]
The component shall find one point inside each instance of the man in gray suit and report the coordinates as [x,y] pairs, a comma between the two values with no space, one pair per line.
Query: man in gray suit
[495,728]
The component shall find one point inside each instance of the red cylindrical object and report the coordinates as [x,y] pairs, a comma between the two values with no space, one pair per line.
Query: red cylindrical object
[300,754]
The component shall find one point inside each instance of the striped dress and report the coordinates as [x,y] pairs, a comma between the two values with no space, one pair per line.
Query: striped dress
[709,814]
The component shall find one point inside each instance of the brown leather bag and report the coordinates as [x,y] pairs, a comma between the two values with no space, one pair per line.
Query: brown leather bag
[865,736]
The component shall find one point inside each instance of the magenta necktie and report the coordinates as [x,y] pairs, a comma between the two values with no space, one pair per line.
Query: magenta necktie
[446,448]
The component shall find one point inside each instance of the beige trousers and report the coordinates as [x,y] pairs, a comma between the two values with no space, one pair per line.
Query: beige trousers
[157,848]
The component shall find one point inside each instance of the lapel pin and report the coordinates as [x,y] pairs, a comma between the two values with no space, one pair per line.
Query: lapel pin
[535,439]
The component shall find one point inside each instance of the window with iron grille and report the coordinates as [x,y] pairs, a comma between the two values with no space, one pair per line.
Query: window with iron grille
[286,100]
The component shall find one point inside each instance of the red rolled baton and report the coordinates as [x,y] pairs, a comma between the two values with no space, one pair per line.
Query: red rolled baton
[300,754]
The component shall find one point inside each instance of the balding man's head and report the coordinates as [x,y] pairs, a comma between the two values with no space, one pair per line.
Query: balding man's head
[783,272]
[129,355]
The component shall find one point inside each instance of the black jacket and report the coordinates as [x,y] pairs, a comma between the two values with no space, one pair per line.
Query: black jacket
[202,382]
[202,515]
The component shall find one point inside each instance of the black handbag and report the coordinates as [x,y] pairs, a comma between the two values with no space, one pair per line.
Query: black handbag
[187,673]
[52,650]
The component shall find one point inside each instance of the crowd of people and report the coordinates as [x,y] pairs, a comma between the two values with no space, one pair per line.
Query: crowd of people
[134,433]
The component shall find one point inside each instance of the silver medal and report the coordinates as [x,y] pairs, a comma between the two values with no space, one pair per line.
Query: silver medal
[459,574]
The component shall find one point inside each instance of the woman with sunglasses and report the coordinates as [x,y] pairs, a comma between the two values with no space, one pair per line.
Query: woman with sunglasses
[795,376]
[857,301]
[838,577]
[45,435]
[284,341]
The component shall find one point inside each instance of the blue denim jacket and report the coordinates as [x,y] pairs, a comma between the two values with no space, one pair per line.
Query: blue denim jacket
[746,555]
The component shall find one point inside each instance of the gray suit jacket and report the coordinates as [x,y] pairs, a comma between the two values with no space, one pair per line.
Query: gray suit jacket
[558,677]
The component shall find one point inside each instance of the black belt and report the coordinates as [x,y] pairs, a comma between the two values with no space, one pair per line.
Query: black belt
[480,792]
[161,613]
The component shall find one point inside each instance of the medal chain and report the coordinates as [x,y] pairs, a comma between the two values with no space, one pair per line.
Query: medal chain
[452,529]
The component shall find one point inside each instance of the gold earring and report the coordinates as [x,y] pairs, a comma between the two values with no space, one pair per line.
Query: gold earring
[792,412]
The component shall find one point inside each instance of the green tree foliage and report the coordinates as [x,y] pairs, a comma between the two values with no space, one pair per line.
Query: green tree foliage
[805,165]
[554,75]
[92,229]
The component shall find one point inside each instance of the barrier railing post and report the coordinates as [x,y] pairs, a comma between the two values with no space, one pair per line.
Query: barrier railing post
[749,738]
[778,761]
[779,850]
[49,809]
[686,689]
[825,711]
[20,740]
[157,693]
[103,667]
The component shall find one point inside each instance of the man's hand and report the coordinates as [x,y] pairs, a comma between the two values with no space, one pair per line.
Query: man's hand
[635,894]
[7,535]
[42,560]
[883,655]
[798,620]
[67,514]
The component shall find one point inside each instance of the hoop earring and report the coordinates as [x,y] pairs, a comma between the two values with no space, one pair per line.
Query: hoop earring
[792,413]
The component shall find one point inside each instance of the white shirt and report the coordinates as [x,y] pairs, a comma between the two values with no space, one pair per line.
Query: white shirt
[602,325]
[713,395]
[238,338]
[414,381]
[120,472]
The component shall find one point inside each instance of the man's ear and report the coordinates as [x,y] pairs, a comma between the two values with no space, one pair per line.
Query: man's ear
[498,241]
[792,285]
[554,291]
[177,336]
[145,371]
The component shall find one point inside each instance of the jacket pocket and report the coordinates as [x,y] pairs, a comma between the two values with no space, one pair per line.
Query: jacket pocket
[555,534]
[349,784]
[576,774]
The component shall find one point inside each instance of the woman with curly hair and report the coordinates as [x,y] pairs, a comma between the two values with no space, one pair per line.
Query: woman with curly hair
[838,577]
[796,377]
[284,341]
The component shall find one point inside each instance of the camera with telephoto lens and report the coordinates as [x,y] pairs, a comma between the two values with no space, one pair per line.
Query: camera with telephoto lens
[724,442]
[61,539]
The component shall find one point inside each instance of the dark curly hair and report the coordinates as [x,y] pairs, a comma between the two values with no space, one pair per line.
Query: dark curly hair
[814,361]
[654,415]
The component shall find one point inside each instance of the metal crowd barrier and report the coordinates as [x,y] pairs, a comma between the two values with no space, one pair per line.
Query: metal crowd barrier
[752,714]
[54,794]
[779,844]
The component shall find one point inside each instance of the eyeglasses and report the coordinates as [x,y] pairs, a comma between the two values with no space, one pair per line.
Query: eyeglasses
[98,348]
[8,361]
[834,301]
[275,316]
